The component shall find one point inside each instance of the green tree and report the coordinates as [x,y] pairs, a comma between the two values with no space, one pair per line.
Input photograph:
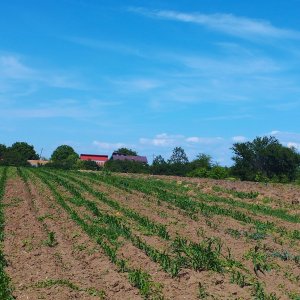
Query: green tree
[178,156]
[64,156]
[202,161]
[25,150]
[126,151]
[17,154]
[159,166]
[3,149]
[265,157]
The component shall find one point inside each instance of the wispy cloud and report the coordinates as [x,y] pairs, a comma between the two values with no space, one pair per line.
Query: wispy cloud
[137,84]
[239,139]
[289,139]
[105,45]
[108,146]
[168,140]
[14,71]
[227,23]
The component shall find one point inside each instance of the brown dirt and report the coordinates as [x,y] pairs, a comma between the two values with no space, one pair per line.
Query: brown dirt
[31,261]
[78,259]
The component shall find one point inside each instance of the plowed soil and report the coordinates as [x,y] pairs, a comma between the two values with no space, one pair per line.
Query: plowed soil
[72,265]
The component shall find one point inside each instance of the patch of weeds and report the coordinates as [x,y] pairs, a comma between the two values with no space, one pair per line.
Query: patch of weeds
[51,239]
[142,281]
[15,201]
[259,293]
[79,247]
[266,200]
[285,255]
[76,234]
[239,279]
[202,293]
[233,232]
[294,295]
[59,260]
[258,235]
[211,224]
[65,282]
[162,214]
[200,232]
[291,277]
[44,217]
[259,260]
[28,244]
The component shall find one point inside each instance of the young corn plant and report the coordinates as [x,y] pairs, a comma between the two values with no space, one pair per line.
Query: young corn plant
[145,279]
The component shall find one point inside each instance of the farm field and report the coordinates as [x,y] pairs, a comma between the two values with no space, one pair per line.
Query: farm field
[96,235]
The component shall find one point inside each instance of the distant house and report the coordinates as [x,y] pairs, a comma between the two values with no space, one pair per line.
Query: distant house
[37,162]
[137,158]
[98,159]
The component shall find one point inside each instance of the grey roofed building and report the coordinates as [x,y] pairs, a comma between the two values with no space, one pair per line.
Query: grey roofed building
[137,158]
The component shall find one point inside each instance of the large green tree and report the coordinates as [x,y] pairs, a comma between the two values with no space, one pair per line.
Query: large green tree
[126,151]
[25,150]
[178,156]
[265,157]
[17,154]
[64,156]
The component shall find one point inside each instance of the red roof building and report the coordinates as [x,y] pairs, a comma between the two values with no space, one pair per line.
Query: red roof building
[99,159]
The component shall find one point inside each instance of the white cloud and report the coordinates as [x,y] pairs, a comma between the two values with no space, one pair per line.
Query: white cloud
[166,140]
[203,140]
[233,25]
[294,145]
[289,139]
[108,146]
[162,140]
[239,139]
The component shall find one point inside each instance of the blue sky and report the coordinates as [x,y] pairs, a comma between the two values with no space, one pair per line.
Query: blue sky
[149,75]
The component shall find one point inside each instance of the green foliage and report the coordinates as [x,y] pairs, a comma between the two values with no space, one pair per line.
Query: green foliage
[199,172]
[17,154]
[178,156]
[126,151]
[202,161]
[63,157]
[159,166]
[51,240]
[3,149]
[65,282]
[218,172]
[265,158]
[126,166]
[87,165]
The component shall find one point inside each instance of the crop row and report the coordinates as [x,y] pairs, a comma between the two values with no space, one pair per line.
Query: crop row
[5,285]
[186,203]
[172,265]
[145,222]
[208,254]
[102,235]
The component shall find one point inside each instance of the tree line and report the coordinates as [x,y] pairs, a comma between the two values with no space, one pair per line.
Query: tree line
[263,159]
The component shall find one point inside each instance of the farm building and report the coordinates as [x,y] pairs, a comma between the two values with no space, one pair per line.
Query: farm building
[137,158]
[99,159]
[37,162]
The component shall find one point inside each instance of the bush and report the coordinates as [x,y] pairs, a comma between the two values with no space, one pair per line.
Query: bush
[218,172]
[126,166]
[200,173]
